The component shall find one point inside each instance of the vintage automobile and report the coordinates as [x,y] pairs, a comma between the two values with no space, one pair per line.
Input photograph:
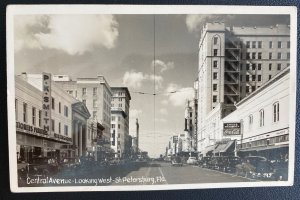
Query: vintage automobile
[177,161]
[228,164]
[43,166]
[256,167]
[215,162]
[192,161]
[70,163]
[203,162]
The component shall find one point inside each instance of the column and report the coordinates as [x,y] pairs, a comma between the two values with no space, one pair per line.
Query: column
[80,139]
[76,137]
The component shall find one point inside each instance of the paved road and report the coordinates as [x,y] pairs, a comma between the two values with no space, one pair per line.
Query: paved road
[164,173]
[153,173]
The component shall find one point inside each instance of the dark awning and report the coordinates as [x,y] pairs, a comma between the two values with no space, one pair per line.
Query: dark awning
[264,148]
[221,148]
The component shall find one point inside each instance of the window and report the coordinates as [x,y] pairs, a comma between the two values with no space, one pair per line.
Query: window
[59,127]
[270,55]
[215,75]
[278,66]
[40,118]
[191,114]
[120,99]
[66,130]
[253,66]
[33,115]
[279,44]
[253,55]
[260,44]
[95,103]
[94,114]
[259,55]
[24,112]
[247,66]
[241,77]
[119,135]
[113,126]
[248,44]
[288,55]
[66,111]
[113,118]
[83,91]
[259,66]
[120,105]
[288,45]
[259,77]
[52,125]
[119,126]
[119,143]
[214,98]
[247,55]
[279,55]
[253,44]
[215,52]
[215,40]
[270,76]
[247,78]
[250,118]
[95,91]
[253,77]
[215,87]
[276,112]
[270,66]
[270,44]
[247,89]
[59,107]
[84,101]
[53,103]
[215,63]
[261,118]
[253,88]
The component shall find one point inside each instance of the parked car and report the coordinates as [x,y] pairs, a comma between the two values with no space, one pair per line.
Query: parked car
[229,164]
[215,162]
[70,163]
[177,161]
[203,162]
[192,161]
[43,166]
[256,167]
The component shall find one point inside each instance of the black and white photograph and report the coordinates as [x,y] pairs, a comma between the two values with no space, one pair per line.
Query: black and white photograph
[109,98]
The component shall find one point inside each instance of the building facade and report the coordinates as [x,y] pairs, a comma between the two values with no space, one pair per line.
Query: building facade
[120,103]
[233,63]
[96,94]
[33,138]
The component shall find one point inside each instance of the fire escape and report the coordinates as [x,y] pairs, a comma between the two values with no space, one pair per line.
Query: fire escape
[232,73]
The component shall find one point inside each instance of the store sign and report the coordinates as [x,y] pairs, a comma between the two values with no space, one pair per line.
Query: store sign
[46,103]
[30,129]
[230,129]
[62,137]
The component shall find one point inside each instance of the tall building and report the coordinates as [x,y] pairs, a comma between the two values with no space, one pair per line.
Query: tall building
[120,104]
[233,63]
[96,94]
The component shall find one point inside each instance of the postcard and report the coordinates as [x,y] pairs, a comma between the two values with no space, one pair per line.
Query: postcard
[150,97]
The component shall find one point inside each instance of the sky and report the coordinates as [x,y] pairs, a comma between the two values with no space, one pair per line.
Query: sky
[125,49]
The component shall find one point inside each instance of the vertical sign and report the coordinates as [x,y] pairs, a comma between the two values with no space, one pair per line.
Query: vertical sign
[46,103]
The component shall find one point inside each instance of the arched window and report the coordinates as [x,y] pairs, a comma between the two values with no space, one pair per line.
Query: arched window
[250,118]
[276,112]
[261,118]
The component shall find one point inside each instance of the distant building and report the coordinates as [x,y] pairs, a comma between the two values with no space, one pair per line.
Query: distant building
[120,103]
[233,63]
[96,94]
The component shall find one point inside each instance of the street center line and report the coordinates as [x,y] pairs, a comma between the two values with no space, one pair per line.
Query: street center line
[162,174]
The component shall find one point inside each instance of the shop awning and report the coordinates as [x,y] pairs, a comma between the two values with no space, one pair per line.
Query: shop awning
[264,148]
[221,148]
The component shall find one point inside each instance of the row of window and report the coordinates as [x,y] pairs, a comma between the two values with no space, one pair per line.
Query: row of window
[37,117]
[258,55]
[259,44]
[114,126]
[258,66]
[265,142]
[275,115]
[113,118]
[95,91]
[66,108]
[66,128]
